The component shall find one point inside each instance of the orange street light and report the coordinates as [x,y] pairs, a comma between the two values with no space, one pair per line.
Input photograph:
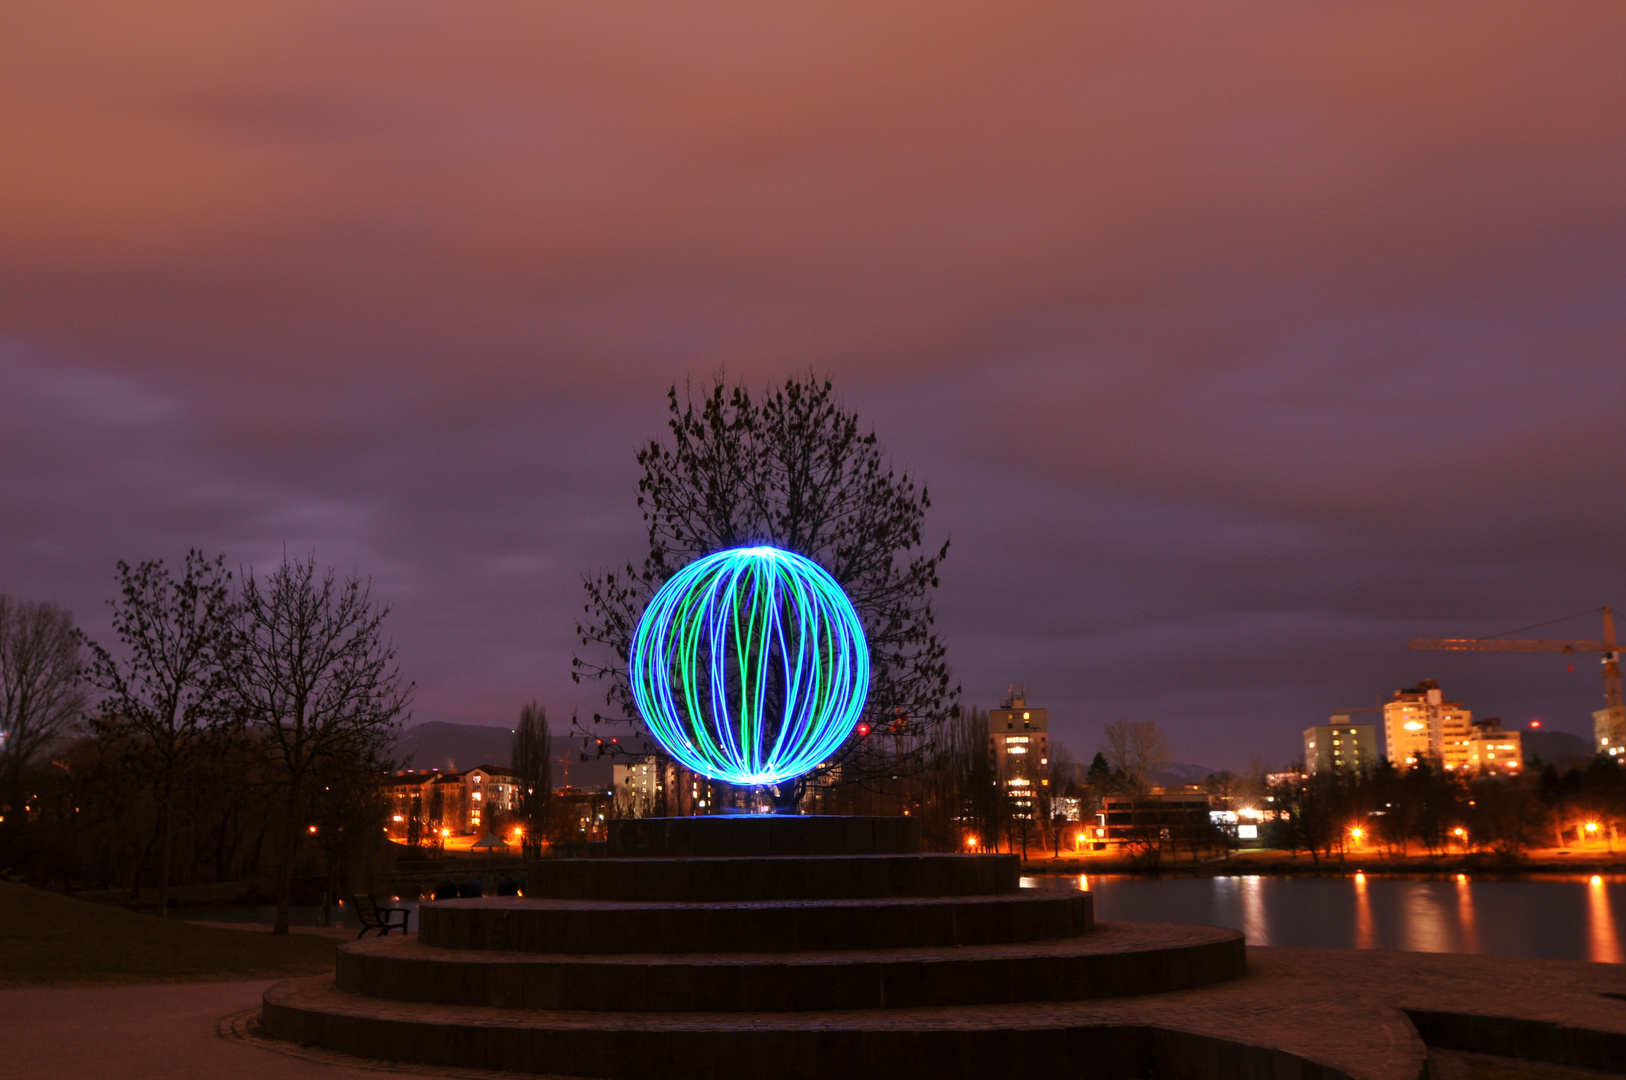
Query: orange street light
[1591,827]
[313,828]
[1356,833]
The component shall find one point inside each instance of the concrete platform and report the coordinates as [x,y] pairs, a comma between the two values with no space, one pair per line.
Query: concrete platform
[1299,1014]
[759,978]
[582,926]
[1115,960]
[819,877]
[761,835]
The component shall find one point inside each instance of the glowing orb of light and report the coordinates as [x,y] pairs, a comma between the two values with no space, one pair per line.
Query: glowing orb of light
[750,665]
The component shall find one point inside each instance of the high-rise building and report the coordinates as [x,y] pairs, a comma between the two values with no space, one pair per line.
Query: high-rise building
[1419,723]
[638,786]
[1340,746]
[491,794]
[1019,746]
[1609,730]
[444,804]
[1492,750]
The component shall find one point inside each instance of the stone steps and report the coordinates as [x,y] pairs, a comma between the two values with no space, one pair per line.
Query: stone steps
[735,948]
[744,878]
[1114,960]
[957,1043]
[761,835]
[588,926]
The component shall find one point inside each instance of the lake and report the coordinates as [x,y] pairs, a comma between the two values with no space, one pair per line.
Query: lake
[1577,918]
[298,914]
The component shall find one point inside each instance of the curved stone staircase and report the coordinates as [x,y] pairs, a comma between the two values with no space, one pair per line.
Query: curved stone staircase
[724,948]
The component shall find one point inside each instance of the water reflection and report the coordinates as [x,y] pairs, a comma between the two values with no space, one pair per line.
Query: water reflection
[1605,943]
[1567,919]
[1254,923]
[1465,915]
[1425,925]
[1363,915]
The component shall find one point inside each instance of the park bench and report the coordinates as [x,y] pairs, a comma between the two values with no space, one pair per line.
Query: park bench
[378,918]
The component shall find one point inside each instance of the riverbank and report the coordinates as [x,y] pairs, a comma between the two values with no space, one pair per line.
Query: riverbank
[1541,862]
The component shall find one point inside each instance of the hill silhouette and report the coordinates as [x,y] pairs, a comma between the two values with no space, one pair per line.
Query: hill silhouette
[437,744]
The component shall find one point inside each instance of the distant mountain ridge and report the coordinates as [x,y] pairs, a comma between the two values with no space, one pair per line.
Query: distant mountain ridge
[437,744]
[1559,749]
[1176,773]
[452,747]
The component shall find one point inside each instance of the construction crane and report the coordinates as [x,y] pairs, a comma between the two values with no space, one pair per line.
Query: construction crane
[1608,723]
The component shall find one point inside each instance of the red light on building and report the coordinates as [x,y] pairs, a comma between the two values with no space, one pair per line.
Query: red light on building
[1535,724]
[863,729]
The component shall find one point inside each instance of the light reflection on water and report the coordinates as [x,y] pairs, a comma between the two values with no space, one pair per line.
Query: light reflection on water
[1605,943]
[1559,918]
[1363,915]
[1465,915]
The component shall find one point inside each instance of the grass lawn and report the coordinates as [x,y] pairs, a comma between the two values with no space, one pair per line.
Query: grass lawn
[48,938]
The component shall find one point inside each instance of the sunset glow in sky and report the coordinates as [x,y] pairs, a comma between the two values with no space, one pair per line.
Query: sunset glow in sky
[1238,344]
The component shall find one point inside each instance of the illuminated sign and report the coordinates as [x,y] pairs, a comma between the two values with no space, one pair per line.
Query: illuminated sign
[750,665]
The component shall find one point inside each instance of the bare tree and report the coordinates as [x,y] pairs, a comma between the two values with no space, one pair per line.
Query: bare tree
[532,751]
[791,468]
[1061,776]
[347,809]
[1137,749]
[166,693]
[314,677]
[40,693]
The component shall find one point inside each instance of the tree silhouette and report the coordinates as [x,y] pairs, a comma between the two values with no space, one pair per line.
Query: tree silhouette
[791,468]
[166,696]
[312,675]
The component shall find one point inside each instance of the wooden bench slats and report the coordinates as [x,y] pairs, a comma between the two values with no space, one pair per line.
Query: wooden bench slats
[374,917]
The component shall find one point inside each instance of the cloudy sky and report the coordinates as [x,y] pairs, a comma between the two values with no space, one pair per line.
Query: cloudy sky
[1238,344]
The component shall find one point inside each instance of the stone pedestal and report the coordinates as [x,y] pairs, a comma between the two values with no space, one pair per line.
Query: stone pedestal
[728,948]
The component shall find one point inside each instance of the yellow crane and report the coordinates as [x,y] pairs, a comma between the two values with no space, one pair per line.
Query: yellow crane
[1608,723]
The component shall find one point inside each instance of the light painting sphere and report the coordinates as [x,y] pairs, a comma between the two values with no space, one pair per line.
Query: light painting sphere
[750,665]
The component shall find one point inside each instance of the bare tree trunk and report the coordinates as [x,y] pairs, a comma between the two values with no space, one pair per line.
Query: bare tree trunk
[142,859]
[167,852]
[328,892]
[285,867]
